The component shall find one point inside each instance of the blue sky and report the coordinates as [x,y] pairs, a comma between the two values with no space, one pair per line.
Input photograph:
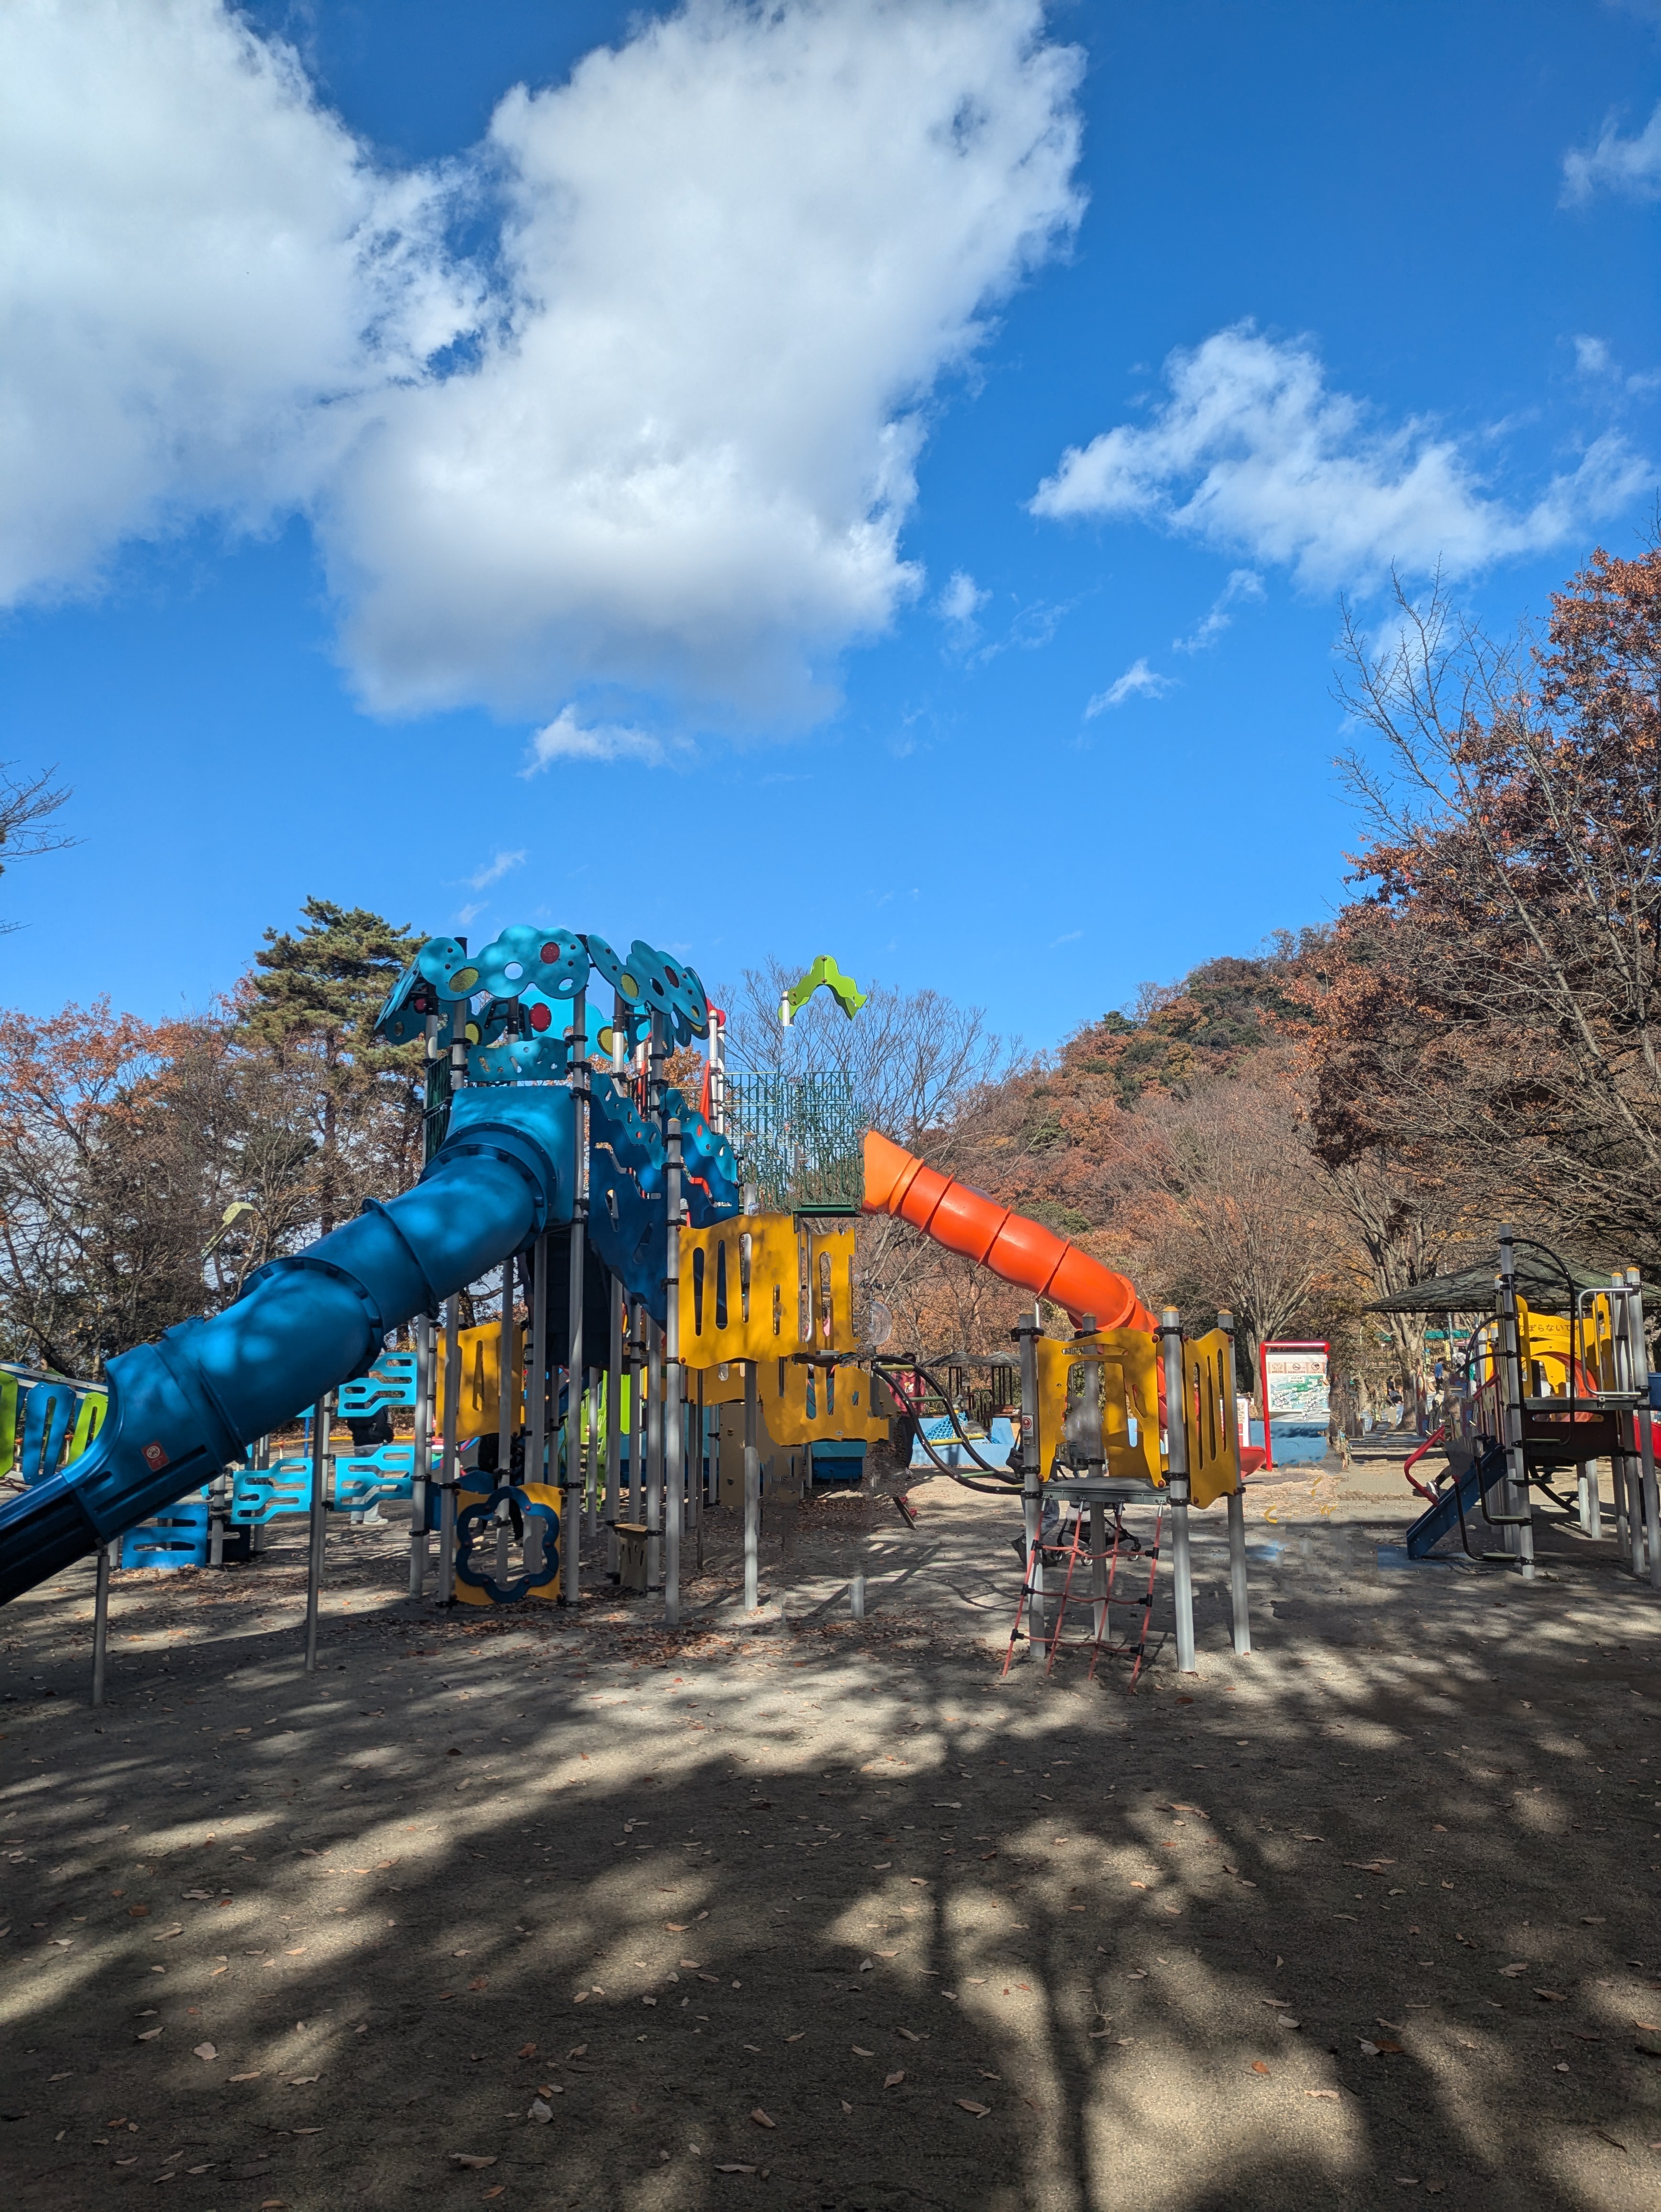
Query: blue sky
[683,426]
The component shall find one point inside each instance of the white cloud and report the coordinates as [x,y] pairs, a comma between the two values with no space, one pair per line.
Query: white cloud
[734,255]
[1243,584]
[1252,449]
[1593,359]
[961,601]
[201,274]
[741,248]
[1138,682]
[567,738]
[1632,166]
[494,871]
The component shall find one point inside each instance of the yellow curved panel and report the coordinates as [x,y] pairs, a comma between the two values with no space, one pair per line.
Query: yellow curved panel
[1100,1395]
[1209,1424]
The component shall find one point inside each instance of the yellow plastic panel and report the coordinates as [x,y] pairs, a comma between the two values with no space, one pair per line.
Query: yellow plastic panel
[480,1350]
[1210,1421]
[539,1493]
[1111,1378]
[740,1291]
[805,1404]
[828,1251]
[723,1385]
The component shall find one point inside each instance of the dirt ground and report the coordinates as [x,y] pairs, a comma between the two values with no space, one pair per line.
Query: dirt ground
[557,1910]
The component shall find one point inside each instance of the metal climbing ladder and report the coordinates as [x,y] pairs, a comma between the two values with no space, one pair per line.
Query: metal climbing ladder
[1088,1499]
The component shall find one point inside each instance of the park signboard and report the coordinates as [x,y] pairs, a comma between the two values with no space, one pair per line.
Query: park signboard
[1295,1385]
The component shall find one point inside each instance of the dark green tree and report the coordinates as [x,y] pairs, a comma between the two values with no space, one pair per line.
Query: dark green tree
[310,1002]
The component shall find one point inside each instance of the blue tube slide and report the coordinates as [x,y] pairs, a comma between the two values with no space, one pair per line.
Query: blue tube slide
[181,1409]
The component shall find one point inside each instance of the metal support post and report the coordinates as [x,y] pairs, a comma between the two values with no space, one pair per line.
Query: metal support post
[591,1450]
[637,1412]
[751,1490]
[856,1597]
[1098,1567]
[536,1368]
[613,1427]
[1640,1382]
[570,1583]
[506,1409]
[1519,1512]
[653,1454]
[1239,1601]
[101,1618]
[674,1426]
[1624,1461]
[1182,1565]
[448,1472]
[697,1425]
[319,1524]
[1031,1463]
[424,1453]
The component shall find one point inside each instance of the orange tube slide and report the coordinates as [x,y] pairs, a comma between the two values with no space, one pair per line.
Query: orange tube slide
[1021,1251]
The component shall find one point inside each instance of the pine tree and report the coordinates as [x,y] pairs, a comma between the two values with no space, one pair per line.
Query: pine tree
[311,1001]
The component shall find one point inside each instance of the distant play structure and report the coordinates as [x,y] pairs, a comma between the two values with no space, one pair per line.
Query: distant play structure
[677,1326]
[1545,1395]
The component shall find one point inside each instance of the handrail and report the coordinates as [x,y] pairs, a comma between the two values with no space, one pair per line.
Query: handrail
[1413,1457]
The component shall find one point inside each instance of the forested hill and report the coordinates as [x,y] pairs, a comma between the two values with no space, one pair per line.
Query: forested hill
[1200,1027]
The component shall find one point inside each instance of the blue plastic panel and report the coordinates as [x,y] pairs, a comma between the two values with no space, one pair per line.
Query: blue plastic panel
[364,1477]
[177,1538]
[265,1495]
[391,1382]
[48,1423]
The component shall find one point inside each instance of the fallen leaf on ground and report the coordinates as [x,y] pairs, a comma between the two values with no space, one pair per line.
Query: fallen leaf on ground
[303,2081]
[1552,1997]
[527,2050]
[470,2159]
[1333,2094]
[858,2049]
[205,2052]
[797,2037]
[539,2111]
[1259,2066]
[735,2169]
[911,2034]
[968,2105]
[149,2035]
[760,2118]
[1521,1968]
[890,2080]
[254,2077]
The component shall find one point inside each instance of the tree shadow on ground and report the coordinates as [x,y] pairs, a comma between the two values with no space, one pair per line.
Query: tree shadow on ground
[830,1919]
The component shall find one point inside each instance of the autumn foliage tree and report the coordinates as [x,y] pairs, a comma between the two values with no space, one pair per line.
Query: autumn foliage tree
[1490,1018]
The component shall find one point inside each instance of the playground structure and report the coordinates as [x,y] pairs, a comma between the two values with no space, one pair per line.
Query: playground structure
[1544,1393]
[662,1266]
